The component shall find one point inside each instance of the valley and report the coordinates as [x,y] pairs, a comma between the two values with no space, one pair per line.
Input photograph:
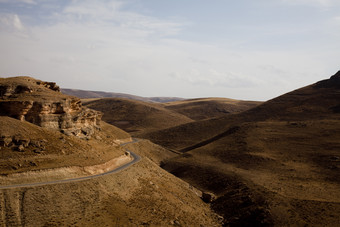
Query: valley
[210,161]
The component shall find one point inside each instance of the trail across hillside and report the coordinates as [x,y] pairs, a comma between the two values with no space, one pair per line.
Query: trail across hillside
[213,139]
[136,158]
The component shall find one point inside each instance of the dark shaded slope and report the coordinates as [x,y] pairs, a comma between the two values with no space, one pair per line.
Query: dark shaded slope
[280,167]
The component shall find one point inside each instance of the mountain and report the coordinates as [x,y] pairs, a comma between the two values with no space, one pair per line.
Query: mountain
[254,164]
[275,164]
[316,101]
[83,94]
[56,156]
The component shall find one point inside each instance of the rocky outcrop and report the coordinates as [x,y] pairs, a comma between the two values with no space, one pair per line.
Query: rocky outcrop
[41,103]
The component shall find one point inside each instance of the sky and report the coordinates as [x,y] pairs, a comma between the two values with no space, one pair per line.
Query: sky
[245,49]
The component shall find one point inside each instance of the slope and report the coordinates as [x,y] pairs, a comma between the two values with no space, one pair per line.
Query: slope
[205,108]
[316,101]
[142,194]
[137,117]
[276,164]
[84,94]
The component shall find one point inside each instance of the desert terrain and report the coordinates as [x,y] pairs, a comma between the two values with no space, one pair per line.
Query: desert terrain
[139,118]
[201,162]
[275,164]
[50,143]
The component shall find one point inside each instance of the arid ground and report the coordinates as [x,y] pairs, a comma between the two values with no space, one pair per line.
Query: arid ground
[204,162]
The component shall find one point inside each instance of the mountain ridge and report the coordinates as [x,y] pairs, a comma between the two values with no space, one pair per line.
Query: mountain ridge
[85,94]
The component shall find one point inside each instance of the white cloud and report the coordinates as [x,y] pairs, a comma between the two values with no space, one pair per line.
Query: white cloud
[110,13]
[99,45]
[11,22]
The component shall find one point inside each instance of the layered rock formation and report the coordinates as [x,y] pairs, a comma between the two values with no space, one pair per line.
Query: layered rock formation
[41,103]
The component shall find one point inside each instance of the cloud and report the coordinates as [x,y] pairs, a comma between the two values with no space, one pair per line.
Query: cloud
[10,22]
[105,45]
[313,3]
[109,12]
[213,78]
[19,1]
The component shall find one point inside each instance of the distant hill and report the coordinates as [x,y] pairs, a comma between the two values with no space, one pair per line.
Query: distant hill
[274,165]
[313,102]
[205,108]
[83,94]
[139,117]
[136,116]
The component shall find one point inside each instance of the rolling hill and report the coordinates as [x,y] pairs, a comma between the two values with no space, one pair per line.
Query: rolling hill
[49,138]
[136,116]
[256,164]
[206,108]
[275,164]
[139,118]
[84,94]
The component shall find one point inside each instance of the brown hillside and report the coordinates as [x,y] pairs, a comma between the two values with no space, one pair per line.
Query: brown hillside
[205,108]
[142,194]
[26,147]
[276,164]
[136,116]
[41,128]
[317,101]
[84,94]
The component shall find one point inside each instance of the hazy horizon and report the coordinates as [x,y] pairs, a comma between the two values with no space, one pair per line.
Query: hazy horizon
[242,50]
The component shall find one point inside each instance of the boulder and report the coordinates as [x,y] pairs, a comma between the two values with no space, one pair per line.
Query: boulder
[208,197]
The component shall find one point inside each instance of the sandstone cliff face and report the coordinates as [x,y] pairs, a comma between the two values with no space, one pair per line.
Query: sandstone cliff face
[41,103]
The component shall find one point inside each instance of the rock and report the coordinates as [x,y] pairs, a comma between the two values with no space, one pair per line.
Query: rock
[41,103]
[20,148]
[35,143]
[32,163]
[87,130]
[37,151]
[5,141]
[51,85]
[208,197]
[175,223]
[21,141]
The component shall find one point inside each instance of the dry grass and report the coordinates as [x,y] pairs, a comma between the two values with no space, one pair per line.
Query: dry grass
[278,166]
[56,150]
[143,194]
[137,116]
[206,108]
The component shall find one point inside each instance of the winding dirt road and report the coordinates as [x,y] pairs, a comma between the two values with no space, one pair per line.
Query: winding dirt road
[136,158]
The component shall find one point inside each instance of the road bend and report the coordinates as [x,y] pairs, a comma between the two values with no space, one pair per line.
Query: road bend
[136,159]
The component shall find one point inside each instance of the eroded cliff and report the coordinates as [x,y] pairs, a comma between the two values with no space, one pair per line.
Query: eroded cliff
[41,103]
